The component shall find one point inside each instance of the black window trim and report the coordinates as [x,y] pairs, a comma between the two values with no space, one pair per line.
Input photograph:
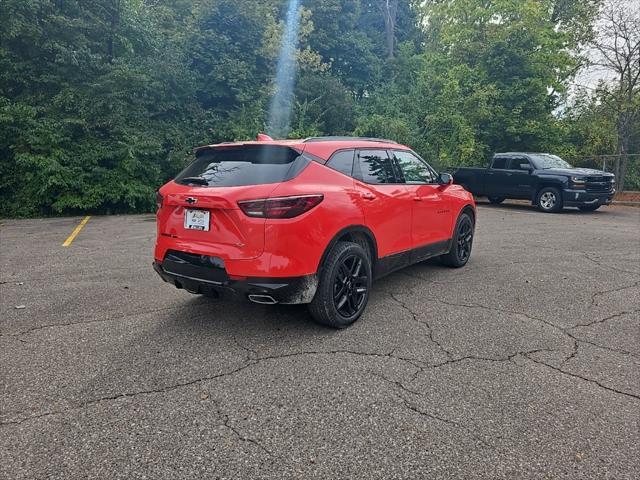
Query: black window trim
[313,158]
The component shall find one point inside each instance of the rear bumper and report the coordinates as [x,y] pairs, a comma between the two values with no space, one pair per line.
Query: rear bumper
[581,198]
[213,282]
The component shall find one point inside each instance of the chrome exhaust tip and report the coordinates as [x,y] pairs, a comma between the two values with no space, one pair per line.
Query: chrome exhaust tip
[263,299]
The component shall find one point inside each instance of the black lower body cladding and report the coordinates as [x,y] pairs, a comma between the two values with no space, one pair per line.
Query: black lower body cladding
[207,276]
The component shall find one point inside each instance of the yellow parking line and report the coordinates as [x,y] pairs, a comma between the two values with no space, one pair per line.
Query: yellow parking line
[76,231]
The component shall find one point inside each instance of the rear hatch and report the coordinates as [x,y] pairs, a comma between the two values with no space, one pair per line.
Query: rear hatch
[200,207]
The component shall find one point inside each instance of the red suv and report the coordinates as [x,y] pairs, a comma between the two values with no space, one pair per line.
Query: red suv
[307,221]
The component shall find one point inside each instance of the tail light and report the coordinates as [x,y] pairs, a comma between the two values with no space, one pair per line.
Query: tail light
[279,207]
[159,200]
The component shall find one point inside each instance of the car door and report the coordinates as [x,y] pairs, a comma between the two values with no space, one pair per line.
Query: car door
[385,201]
[431,222]
[520,181]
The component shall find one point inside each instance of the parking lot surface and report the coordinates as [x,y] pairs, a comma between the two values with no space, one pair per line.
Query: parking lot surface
[523,364]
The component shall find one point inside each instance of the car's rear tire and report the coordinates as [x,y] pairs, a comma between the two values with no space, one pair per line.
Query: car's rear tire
[461,242]
[496,200]
[343,287]
[589,208]
[549,200]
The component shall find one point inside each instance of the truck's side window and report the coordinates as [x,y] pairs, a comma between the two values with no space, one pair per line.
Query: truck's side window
[517,162]
[414,170]
[500,163]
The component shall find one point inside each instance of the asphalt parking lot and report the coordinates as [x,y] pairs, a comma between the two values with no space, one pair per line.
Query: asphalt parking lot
[524,364]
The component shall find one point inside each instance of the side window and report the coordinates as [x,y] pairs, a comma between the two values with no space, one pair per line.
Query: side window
[376,167]
[342,161]
[500,163]
[517,162]
[414,170]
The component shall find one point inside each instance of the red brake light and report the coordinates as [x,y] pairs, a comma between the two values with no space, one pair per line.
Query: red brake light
[280,207]
[159,200]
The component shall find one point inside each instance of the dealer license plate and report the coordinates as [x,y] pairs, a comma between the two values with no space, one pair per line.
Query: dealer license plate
[196,220]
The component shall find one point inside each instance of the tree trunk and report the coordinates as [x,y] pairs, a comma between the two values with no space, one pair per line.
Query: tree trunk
[625,126]
[616,169]
[623,172]
[114,21]
[623,161]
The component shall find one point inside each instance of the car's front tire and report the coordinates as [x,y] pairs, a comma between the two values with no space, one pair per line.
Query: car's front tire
[461,242]
[549,200]
[344,285]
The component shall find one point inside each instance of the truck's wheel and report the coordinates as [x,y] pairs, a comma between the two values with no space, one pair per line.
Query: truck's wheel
[343,288]
[461,242]
[589,208]
[549,200]
[496,200]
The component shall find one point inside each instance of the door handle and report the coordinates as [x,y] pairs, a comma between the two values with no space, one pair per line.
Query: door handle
[417,199]
[367,195]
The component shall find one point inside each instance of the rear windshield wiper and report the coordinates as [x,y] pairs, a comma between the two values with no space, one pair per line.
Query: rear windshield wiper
[195,180]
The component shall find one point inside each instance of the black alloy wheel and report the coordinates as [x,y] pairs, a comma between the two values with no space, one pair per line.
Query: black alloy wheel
[344,283]
[350,286]
[461,243]
[464,238]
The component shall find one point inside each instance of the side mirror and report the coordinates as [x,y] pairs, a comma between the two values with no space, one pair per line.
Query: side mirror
[445,179]
[526,166]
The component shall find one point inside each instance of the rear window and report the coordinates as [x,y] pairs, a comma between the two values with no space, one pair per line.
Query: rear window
[240,166]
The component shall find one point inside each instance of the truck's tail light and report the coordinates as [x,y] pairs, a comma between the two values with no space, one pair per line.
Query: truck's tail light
[159,200]
[280,207]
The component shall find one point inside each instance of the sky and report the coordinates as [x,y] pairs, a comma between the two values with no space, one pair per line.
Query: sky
[590,77]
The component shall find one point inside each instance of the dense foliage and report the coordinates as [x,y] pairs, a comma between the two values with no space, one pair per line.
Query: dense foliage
[101,101]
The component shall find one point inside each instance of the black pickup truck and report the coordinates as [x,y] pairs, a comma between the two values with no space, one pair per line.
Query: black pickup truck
[546,180]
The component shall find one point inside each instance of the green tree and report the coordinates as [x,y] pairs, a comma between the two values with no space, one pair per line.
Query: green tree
[489,79]
[101,101]
[617,49]
[93,106]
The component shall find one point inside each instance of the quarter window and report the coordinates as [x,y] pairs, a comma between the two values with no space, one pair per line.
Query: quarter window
[376,167]
[414,170]
[342,161]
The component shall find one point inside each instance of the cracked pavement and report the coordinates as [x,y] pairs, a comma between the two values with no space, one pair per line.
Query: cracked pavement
[523,364]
